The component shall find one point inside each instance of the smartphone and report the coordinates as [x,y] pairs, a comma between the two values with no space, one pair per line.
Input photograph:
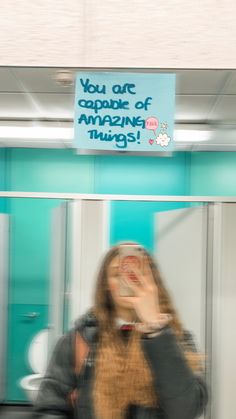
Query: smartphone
[130,256]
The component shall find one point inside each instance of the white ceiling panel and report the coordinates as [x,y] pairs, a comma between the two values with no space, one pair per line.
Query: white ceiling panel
[56,105]
[225,110]
[8,82]
[40,80]
[230,87]
[13,105]
[203,96]
[200,81]
[193,108]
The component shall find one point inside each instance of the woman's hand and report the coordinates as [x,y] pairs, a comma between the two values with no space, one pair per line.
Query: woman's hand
[145,301]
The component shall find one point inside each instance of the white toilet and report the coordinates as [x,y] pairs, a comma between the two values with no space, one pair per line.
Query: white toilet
[37,358]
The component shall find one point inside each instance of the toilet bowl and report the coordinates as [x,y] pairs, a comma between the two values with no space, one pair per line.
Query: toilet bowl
[37,358]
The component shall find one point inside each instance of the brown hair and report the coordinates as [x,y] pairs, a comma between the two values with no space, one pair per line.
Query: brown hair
[104,308]
[127,369]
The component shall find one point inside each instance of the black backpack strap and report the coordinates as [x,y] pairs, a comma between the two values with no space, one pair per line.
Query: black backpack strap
[81,351]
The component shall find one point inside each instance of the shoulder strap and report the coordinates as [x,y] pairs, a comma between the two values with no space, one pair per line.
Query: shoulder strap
[81,352]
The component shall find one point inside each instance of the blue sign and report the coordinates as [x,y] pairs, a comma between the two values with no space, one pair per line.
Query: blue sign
[124,111]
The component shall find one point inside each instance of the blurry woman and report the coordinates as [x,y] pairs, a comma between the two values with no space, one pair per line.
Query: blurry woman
[128,357]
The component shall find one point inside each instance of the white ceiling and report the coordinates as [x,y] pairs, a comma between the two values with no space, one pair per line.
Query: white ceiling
[205,100]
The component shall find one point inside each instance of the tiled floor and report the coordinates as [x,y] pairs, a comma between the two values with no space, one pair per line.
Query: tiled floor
[15,412]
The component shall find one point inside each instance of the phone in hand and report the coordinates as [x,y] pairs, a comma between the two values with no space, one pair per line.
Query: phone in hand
[130,256]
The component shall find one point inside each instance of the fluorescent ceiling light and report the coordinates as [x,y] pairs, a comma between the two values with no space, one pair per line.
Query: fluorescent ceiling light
[185,135]
[36,132]
[67,133]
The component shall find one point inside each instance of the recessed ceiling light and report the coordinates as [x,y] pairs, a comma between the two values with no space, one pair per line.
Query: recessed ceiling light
[64,78]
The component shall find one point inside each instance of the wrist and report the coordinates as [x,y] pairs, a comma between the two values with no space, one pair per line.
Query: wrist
[155,325]
[153,334]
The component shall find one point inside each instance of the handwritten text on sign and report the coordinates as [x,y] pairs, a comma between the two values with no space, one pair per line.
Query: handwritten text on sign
[120,111]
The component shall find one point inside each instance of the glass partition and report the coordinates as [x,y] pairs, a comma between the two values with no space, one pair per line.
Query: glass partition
[30,241]
[53,248]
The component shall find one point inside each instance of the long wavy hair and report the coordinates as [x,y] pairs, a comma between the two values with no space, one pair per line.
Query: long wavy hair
[104,307]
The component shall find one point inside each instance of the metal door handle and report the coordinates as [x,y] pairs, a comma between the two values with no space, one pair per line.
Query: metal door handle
[31,315]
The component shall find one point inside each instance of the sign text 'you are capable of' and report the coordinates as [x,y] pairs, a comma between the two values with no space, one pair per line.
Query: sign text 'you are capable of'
[124,111]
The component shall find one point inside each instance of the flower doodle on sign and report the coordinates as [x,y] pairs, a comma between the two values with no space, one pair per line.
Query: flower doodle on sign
[164,126]
[163,140]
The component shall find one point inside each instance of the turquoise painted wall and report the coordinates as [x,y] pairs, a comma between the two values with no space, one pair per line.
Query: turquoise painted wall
[213,173]
[140,175]
[3,164]
[42,170]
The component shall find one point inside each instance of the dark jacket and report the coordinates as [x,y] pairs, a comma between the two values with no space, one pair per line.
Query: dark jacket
[182,394]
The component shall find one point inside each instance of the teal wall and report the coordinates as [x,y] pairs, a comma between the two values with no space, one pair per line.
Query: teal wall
[42,170]
[140,175]
[3,171]
[213,173]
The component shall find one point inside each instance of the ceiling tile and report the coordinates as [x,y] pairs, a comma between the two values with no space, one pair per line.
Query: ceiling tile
[13,105]
[16,105]
[40,80]
[7,81]
[200,81]
[56,105]
[230,87]
[193,108]
[33,93]
[225,110]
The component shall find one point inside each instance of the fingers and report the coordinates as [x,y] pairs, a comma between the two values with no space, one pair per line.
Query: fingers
[134,285]
[139,280]
[148,272]
[145,277]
